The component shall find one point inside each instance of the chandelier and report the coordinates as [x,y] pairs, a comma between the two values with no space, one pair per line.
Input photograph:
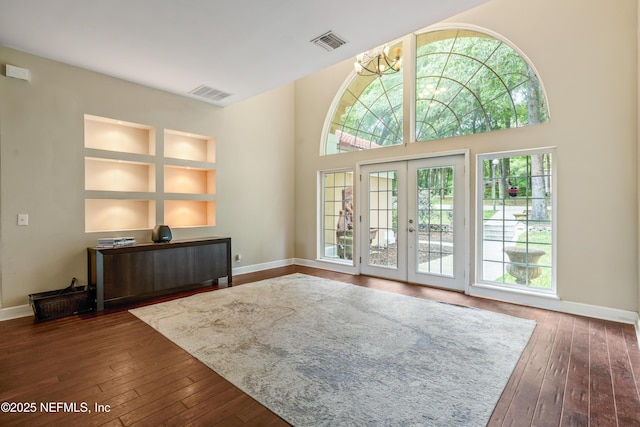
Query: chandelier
[379,61]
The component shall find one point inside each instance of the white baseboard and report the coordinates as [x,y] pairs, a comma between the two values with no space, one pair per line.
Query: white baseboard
[599,312]
[16,312]
[516,296]
[553,303]
[326,265]
[265,266]
[323,265]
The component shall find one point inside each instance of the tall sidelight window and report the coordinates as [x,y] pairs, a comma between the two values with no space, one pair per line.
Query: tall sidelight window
[337,216]
[517,225]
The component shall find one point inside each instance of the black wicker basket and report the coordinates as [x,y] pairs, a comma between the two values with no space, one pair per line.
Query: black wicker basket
[65,302]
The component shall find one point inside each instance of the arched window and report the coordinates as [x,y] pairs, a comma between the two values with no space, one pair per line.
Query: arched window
[368,115]
[466,82]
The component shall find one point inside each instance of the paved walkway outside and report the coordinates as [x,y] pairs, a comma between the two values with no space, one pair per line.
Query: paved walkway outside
[492,250]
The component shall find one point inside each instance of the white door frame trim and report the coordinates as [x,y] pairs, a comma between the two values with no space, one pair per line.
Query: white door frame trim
[467,195]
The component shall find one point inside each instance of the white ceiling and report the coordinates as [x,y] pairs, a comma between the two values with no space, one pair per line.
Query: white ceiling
[243,47]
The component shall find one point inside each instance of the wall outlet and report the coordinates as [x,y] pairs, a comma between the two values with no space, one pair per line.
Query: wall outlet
[23,219]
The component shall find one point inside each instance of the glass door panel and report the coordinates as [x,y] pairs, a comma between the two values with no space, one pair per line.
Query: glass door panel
[412,225]
[436,215]
[383,214]
[383,228]
[435,220]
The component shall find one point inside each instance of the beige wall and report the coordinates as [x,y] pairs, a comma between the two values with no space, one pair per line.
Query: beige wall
[585,53]
[268,153]
[42,169]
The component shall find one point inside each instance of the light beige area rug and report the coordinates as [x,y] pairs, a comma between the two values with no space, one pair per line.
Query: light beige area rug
[324,353]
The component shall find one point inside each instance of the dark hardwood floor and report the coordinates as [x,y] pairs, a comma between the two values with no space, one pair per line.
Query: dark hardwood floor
[575,371]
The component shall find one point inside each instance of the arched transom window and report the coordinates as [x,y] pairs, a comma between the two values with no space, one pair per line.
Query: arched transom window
[466,82]
[368,115]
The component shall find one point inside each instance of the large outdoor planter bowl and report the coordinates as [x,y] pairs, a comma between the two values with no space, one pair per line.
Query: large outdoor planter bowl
[520,257]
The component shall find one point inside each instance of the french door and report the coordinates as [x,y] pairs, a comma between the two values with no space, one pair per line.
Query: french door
[414,211]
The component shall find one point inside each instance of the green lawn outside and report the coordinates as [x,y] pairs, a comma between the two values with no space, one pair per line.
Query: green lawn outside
[539,240]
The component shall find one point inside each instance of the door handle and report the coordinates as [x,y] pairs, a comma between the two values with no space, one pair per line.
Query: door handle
[411,230]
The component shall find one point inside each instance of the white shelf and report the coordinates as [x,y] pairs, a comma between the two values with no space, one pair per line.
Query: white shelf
[189,213]
[118,175]
[119,215]
[128,186]
[189,180]
[116,135]
[187,146]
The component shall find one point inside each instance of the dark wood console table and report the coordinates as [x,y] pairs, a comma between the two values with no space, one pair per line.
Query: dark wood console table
[136,272]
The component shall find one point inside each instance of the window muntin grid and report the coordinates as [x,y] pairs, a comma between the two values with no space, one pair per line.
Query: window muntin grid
[468,82]
[368,115]
[517,225]
[435,220]
[383,217]
[337,216]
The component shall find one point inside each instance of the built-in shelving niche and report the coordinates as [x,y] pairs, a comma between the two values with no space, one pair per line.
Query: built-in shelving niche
[119,175]
[122,172]
[188,146]
[190,213]
[188,180]
[118,136]
[119,214]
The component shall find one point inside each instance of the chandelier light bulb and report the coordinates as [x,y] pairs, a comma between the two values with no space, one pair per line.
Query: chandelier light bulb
[378,62]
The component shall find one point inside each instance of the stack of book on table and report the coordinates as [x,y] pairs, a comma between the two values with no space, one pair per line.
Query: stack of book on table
[115,242]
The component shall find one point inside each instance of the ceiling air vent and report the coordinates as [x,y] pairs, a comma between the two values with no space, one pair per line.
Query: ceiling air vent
[210,93]
[329,41]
